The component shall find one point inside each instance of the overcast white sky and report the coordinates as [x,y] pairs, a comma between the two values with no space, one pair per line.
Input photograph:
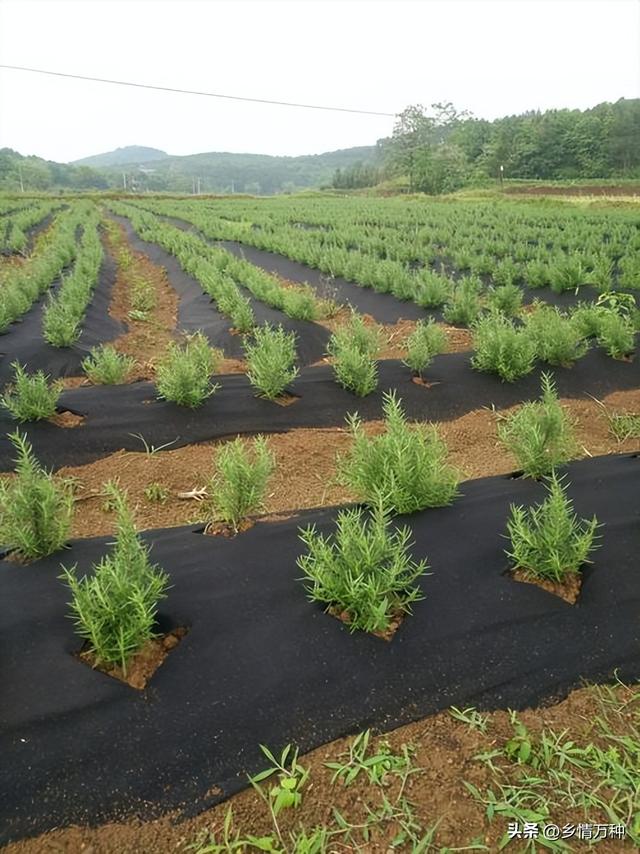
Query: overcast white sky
[493,57]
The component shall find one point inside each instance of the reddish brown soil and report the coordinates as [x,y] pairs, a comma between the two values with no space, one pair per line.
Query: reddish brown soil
[67,419]
[285,399]
[394,335]
[145,340]
[569,590]
[223,529]
[386,635]
[447,753]
[143,664]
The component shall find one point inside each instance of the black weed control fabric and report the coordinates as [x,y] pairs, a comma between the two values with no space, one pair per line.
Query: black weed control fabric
[262,664]
[197,311]
[385,307]
[24,343]
[112,410]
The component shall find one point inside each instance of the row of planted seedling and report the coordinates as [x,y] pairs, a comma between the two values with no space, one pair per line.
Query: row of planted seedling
[602,253]
[501,229]
[65,310]
[364,572]
[461,301]
[183,376]
[14,226]
[22,285]
[223,276]
[508,228]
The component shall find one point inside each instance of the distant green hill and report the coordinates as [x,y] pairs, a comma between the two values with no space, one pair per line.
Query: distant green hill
[130,154]
[221,172]
[33,174]
[152,169]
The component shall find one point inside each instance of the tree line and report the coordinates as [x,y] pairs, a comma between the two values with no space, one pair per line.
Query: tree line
[441,149]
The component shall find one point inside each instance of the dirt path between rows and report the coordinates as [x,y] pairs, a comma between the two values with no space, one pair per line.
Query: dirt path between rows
[306,471]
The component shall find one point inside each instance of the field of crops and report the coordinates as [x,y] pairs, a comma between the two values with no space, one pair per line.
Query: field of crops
[280,471]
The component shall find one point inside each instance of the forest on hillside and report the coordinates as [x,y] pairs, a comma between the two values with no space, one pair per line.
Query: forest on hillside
[440,149]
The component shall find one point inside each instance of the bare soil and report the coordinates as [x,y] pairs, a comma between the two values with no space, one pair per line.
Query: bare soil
[446,752]
[569,589]
[143,664]
[387,635]
[145,340]
[67,419]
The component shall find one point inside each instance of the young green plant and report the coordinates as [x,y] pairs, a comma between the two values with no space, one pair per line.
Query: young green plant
[540,434]
[426,341]
[407,463]
[271,357]
[364,572]
[35,509]
[239,485]
[106,366]
[502,348]
[354,347]
[114,609]
[184,374]
[548,541]
[31,397]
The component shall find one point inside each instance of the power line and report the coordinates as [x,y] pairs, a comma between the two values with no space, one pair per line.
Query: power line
[195,92]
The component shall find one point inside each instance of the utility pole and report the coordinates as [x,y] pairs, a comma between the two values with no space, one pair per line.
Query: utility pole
[20,176]
[124,181]
[198,187]
[233,187]
[501,176]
